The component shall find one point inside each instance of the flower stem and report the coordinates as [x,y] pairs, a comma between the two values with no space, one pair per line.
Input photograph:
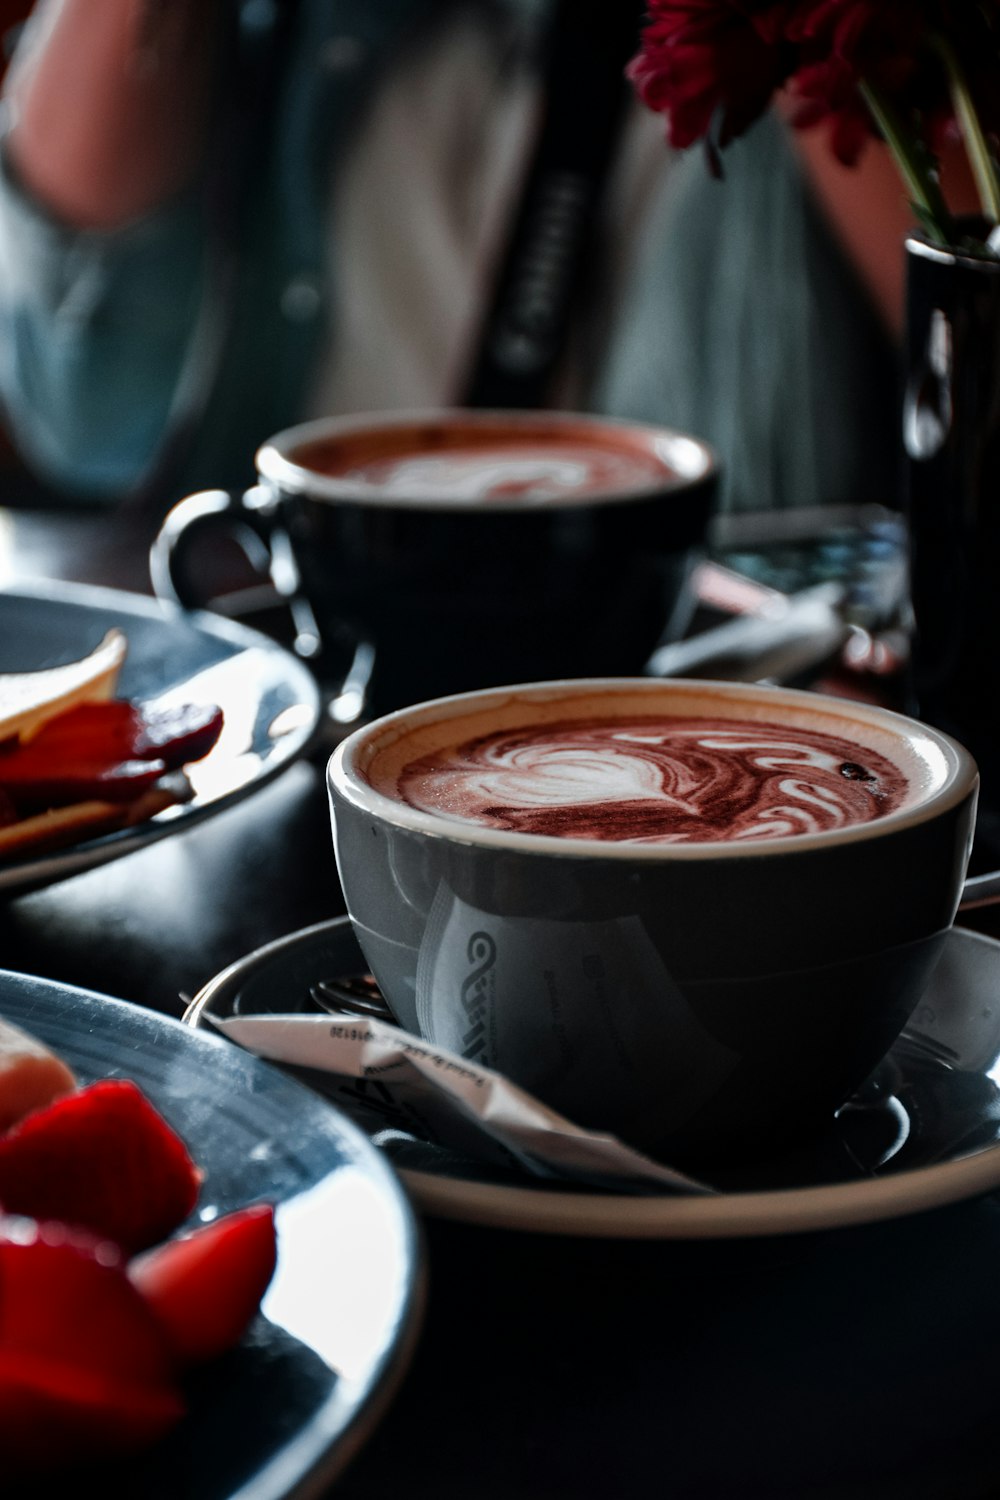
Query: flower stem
[981,162]
[918,173]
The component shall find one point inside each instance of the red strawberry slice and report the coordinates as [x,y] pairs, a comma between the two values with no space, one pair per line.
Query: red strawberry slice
[118,730]
[36,780]
[108,728]
[109,752]
[84,1370]
[178,735]
[8,810]
[104,1159]
[206,1287]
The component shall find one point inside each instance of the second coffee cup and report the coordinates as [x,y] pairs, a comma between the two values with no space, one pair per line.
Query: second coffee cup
[435,552]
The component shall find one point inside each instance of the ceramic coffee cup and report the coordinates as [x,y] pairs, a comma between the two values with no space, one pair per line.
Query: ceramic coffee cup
[711,997]
[436,552]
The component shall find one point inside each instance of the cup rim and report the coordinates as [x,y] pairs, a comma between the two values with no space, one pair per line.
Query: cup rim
[692,460]
[921,248]
[961,778]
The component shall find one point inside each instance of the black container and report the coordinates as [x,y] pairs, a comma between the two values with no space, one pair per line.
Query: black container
[951,431]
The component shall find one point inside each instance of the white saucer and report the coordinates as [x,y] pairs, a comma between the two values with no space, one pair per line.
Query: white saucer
[923,1132]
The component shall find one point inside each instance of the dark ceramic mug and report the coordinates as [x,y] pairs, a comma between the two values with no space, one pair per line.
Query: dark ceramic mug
[437,552]
[699,999]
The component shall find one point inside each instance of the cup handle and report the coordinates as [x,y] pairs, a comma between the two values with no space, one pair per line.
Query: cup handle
[250,521]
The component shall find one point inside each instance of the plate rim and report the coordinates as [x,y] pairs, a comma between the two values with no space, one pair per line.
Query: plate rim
[722,1215]
[332,1453]
[19,877]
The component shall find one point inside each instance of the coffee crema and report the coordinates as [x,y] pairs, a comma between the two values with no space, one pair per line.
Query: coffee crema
[656,780]
[534,471]
[459,463]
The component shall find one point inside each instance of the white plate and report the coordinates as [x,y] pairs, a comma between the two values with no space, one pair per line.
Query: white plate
[924,1131]
[269,700]
[283,1412]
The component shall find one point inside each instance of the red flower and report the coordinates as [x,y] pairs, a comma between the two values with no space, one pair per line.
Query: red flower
[843,43]
[907,67]
[710,66]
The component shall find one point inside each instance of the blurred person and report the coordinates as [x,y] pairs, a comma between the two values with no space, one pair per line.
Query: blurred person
[219,218]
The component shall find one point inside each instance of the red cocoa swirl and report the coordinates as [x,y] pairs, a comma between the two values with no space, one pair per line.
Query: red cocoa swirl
[657,781]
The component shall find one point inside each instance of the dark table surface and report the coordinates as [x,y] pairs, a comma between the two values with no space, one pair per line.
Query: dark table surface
[851,1363]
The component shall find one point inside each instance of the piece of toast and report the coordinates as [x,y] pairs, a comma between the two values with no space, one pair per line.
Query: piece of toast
[60,826]
[29,699]
[32,701]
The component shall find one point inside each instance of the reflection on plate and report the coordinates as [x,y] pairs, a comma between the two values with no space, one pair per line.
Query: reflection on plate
[270,701]
[924,1130]
[284,1411]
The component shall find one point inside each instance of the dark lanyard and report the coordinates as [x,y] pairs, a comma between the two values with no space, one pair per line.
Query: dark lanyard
[542,269]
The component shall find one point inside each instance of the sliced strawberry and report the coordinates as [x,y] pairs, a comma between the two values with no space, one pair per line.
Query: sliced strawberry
[178,735]
[205,1287]
[84,1368]
[8,810]
[37,779]
[109,728]
[119,730]
[106,752]
[102,1158]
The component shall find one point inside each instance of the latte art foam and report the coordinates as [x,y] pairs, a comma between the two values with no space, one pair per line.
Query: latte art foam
[528,471]
[657,781]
